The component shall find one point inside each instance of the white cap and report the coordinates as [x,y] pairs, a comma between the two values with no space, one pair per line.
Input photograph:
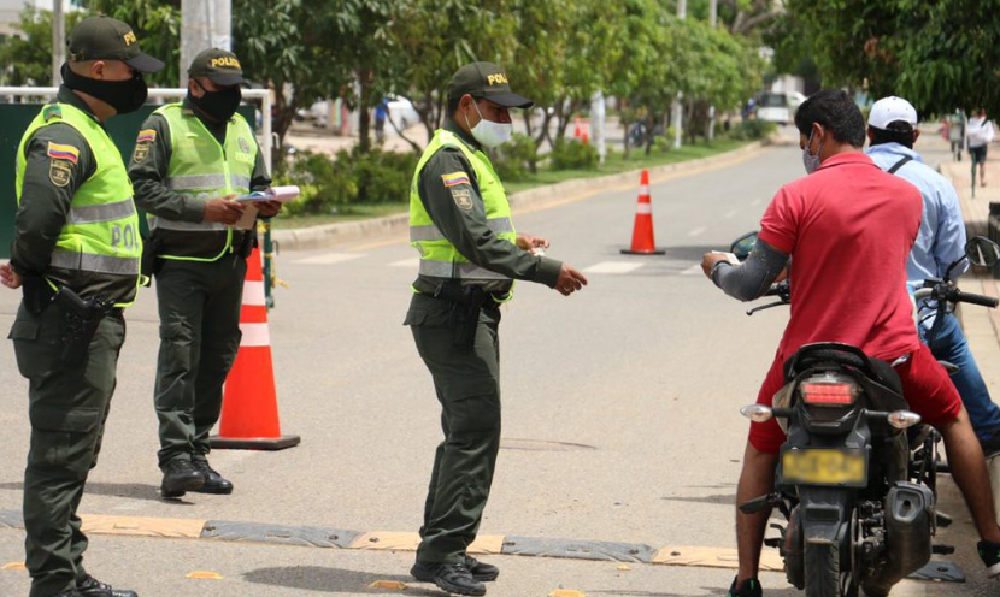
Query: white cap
[891,109]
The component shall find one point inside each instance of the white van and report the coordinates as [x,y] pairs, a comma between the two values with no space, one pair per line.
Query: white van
[775,106]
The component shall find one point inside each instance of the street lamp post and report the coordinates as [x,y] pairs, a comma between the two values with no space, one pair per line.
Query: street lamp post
[58,40]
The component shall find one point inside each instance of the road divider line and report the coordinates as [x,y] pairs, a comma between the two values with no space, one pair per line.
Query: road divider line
[693,270]
[730,214]
[613,267]
[329,258]
[697,231]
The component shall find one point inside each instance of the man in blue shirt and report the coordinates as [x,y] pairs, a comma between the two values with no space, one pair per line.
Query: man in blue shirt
[940,242]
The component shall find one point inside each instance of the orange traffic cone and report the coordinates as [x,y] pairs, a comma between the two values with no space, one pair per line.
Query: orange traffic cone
[586,133]
[249,419]
[642,234]
[578,131]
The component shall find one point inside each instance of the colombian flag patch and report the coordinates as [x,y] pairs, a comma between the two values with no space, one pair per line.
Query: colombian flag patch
[146,135]
[63,152]
[454,179]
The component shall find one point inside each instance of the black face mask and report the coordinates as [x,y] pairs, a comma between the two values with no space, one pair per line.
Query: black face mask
[123,96]
[218,105]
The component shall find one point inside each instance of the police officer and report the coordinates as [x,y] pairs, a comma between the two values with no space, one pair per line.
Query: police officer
[76,255]
[460,222]
[191,160]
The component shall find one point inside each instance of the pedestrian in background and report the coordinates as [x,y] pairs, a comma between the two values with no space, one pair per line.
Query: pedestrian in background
[980,134]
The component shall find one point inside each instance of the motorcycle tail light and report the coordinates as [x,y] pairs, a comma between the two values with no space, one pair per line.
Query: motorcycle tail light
[829,390]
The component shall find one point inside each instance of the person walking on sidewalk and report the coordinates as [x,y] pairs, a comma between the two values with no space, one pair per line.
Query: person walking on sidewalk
[940,242]
[956,122]
[76,255]
[460,222]
[980,134]
[191,160]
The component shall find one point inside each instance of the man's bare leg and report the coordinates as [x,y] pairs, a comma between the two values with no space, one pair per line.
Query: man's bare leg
[968,468]
[757,479]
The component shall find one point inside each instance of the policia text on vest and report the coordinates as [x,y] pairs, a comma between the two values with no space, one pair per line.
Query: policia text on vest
[76,248]
[462,227]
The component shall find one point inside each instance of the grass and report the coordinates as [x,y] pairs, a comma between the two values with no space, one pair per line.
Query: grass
[614,164]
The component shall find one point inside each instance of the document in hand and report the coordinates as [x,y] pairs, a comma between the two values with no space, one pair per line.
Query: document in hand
[280,194]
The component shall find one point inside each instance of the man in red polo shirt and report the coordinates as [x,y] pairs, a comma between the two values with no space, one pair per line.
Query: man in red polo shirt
[849,227]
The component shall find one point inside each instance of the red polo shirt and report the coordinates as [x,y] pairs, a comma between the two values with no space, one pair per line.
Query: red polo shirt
[849,228]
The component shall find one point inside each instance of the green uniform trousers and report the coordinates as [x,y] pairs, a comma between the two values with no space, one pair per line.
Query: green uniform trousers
[468,388]
[67,408]
[199,305]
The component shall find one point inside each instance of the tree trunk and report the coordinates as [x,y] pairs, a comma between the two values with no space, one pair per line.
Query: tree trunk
[426,114]
[650,124]
[364,113]
[626,113]
[282,121]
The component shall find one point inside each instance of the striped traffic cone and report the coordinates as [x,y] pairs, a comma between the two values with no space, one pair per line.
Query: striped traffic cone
[249,419]
[642,233]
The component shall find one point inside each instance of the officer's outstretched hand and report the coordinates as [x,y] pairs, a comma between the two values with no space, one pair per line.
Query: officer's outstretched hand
[570,281]
[223,210]
[529,242]
[268,209]
[9,277]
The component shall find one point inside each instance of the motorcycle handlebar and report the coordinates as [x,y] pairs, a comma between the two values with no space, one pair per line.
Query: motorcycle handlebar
[976,299]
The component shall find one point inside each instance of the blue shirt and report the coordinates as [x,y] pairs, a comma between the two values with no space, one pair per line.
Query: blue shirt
[941,239]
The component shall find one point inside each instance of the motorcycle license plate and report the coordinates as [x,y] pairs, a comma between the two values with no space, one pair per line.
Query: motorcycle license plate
[823,467]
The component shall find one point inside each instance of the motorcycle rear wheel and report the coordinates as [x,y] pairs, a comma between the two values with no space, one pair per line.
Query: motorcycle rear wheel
[823,575]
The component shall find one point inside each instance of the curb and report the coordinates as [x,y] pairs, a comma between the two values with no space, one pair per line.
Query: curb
[328,235]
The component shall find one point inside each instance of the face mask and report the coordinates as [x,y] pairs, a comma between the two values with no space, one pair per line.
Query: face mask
[810,161]
[123,96]
[490,134]
[218,105]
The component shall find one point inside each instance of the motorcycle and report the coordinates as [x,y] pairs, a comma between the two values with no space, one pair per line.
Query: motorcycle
[856,476]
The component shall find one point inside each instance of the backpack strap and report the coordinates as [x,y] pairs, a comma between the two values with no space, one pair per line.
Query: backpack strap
[895,167]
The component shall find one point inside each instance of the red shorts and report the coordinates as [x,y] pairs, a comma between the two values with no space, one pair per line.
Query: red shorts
[926,386]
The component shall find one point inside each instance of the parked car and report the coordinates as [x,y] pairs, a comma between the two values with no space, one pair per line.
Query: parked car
[775,106]
[401,111]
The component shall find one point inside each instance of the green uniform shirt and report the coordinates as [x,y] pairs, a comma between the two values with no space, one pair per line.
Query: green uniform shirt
[468,230]
[151,161]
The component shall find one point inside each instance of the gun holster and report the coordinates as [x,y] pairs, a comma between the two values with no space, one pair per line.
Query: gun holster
[467,304]
[80,320]
[248,243]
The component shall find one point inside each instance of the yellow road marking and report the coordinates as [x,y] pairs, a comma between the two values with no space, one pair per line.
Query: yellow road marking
[13,566]
[567,593]
[143,527]
[198,575]
[711,557]
[394,585]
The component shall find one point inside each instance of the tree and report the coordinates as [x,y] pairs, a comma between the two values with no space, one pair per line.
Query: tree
[938,55]
[27,60]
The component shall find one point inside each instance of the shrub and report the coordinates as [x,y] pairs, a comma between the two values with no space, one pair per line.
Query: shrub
[512,160]
[574,155]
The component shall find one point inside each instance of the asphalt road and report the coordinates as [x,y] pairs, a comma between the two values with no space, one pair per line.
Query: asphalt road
[621,412]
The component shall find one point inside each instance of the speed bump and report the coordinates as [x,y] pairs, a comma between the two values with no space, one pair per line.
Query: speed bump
[712,557]
[142,527]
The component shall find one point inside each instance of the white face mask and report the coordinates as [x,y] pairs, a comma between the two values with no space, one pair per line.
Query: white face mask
[810,161]
[490,134]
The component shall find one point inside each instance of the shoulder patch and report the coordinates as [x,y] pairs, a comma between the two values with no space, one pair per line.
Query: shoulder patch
[58,151]
[51,111]
[141,151]
[454,179]
[244,146]
[59,172]
[462,198]
[146,135]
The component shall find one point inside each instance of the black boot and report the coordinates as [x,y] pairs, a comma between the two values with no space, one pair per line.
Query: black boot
[454,578]
[91,587]
[180,476]
[481,570]
[214,482]
[748,588]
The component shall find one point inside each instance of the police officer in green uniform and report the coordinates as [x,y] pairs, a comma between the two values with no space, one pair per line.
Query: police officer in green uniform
[191,160]
[75,254]
[460,222]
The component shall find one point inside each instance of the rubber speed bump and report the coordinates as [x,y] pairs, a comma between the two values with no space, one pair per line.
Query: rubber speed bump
[393,585]
[199,575]
[142,527]
[13,566]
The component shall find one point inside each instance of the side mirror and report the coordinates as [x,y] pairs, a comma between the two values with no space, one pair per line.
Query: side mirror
[982,251]
[742,246]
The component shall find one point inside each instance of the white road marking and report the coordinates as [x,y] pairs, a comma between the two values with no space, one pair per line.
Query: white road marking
[731,213]
[693,270]
[613,267]
[755,202]
[329,258]
[698,231]
[415,262]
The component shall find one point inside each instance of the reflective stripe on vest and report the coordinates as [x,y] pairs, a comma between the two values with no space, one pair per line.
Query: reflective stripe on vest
[101,233]
[203,169]
[438,257]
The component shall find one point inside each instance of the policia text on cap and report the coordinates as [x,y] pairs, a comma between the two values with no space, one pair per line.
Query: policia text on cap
[461,224]
[76,254]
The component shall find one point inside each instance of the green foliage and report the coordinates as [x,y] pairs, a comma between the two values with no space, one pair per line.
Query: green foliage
[328,184]
[574,155]
[28,61]
[663,144]
[939,55]
[513,160]
[157,25]
[749,130]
